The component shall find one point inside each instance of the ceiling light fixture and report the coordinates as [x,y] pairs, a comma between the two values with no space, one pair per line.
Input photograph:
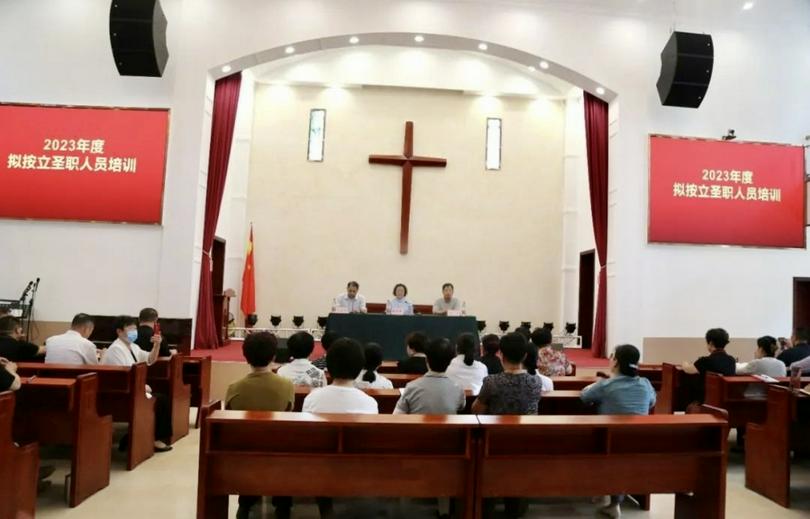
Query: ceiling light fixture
[418,38]
[482,46]
[289,50]
[544,65]
[354,40]
[748,6]
[600,91]
[226,68]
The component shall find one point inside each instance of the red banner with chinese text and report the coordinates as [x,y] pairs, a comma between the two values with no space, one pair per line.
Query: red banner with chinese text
[82,163]
[726,193]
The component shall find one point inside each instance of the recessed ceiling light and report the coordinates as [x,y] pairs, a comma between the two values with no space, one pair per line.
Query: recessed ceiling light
[600,91]
[226,68]
[289,50]
[482,46]
[748,5]
[418,38]
[354,40]
[531,68]
[544,65]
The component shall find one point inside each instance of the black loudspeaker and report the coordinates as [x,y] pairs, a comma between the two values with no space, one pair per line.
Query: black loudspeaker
[138,37]
[686,69]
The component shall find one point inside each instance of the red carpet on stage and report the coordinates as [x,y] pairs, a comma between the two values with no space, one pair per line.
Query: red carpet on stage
[232,352]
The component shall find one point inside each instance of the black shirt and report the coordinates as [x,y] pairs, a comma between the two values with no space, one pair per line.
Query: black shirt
[717,362]
[493,364]
[795,354]
[6,379]
[18,351]
[413,365]
[144,341]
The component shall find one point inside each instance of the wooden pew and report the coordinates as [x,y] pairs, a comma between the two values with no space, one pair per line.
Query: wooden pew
[19,468]
[166,376]
[768,444]
[602,455]
[653,373]
[676,389]
[197,374]
[121,393]
[63,411]
[400,455]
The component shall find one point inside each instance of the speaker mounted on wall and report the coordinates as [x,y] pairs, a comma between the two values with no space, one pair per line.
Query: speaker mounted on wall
[138,37]
[687,62]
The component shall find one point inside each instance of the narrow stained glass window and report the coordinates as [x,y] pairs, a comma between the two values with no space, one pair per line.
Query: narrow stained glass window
[493,158]
[317,132]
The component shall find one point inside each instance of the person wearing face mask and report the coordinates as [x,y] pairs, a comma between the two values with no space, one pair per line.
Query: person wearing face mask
[124,352]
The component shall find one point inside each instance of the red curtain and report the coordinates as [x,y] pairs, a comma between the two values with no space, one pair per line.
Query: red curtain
[226,99]
[596,140]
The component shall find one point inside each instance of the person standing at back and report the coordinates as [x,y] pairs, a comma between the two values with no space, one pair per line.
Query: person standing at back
[464,370]
[261,390]
[624,393]
[147,320]
[301,371]
[73,346]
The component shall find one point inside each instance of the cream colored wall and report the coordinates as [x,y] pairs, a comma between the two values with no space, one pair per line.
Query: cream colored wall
[495,235]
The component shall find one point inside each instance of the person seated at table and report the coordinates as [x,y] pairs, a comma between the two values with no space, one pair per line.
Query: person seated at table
[9,379]
[261,390]
[491,345]
[72,347]
[414,363]
[353,302]
[327,339]
[124,352]
[624,393]
[513,392]
[301,371]
[447,301]
[799,353]
[718,361]
[531,366]
[147,319]
[369,378]
[550,362]
[399,305]
[464,370]
[434,392]
[13,345]
[345,361]
[765,361]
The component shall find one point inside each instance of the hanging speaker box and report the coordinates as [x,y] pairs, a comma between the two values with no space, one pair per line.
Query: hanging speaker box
[687,62]
[138,37]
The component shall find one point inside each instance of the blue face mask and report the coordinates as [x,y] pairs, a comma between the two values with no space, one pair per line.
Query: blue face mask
[132,335]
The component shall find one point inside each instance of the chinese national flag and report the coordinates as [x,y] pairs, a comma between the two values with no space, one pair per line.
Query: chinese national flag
[248,303]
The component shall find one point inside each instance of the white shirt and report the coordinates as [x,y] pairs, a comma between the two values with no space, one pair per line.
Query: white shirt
[339,399]
[352,304]
[119,354]
[546,383]
[303,373]
[467,377]
[765,366]
[70,348]
[379,383]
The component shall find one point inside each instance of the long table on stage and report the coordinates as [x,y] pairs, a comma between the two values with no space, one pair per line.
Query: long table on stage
[390,330]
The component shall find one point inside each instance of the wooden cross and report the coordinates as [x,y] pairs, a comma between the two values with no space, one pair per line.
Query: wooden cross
[407,161]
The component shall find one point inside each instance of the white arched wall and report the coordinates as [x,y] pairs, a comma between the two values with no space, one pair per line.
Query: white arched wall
[758,88]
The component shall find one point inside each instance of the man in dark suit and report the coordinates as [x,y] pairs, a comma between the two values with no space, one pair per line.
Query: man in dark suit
[800,349]
[147,320]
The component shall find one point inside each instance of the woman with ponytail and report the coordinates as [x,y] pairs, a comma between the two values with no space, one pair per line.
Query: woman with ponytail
[369,378]
[464,370]
[623,393]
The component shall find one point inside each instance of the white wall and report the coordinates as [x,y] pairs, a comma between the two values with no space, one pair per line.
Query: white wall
[758,88]
[495,234]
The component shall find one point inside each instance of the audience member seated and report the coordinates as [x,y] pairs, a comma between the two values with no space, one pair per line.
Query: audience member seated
[327,339]
[301,371]
[464,370]
[717,361]
[261,390]
[623,393]
[12,345]
[369,378]
[800,351]
[147,320]
[345,361]
[764,362]
[399,305]
[72,347]
[415,363]
[9,380]
[434,392]
[531,366]
[513,392]
[124,352]
[550,362]
[491,345]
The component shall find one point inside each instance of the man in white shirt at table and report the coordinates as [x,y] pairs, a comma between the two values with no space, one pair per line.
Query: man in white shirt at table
[353,302]
[447,302]
[72,347]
